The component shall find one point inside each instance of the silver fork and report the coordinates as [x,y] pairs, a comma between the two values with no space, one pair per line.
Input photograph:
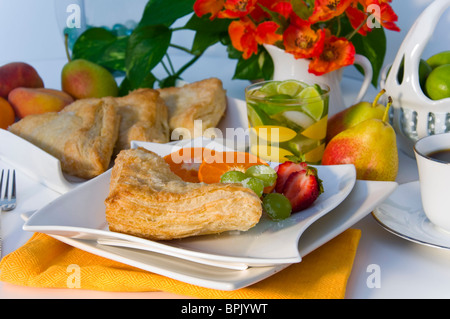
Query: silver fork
[7,196]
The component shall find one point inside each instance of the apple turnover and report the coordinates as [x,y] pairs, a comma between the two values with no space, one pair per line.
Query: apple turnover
[203,100]
[82,136]
[143,117]
[146,199]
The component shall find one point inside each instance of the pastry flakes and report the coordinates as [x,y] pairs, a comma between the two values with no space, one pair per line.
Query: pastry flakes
[146,199]
[82,136]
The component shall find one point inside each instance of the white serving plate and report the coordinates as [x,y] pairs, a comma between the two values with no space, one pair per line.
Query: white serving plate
[365,196]
[46,169]
[81,214]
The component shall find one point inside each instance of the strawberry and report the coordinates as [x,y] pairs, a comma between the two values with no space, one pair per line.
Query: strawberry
[302,188]
[284,170]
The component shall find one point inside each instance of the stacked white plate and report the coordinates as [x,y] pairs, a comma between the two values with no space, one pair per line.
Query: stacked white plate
[225,261]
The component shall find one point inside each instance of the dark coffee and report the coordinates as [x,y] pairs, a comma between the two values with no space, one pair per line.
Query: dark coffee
[442,155]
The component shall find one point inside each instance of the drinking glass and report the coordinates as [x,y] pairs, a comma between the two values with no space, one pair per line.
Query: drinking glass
[285,121]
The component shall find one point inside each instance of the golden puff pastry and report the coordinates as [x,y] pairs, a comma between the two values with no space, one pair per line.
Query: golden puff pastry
[146,199]
[143,117]
[82,136]
[203,100]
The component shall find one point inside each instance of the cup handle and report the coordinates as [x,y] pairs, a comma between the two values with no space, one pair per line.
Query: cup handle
[368,73]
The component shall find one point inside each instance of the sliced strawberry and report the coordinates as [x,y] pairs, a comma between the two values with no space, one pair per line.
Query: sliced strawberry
[284,170]
[302,188]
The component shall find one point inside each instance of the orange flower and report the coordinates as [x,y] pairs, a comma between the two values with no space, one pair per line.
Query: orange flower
[384,14]
[337,53]
[357,19]
[266,33]
[388,17]
[237,8]
[243,36]
[213,7]
[302,41]
[327,9]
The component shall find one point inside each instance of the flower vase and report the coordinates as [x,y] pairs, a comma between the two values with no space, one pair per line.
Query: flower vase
[286,66]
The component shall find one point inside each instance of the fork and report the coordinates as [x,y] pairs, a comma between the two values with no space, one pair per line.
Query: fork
[8,198]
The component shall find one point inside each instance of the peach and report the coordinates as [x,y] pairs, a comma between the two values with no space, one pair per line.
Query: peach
[27,101]
[18,74]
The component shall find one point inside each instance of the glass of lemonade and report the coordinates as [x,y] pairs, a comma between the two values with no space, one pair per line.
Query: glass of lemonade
[287,118]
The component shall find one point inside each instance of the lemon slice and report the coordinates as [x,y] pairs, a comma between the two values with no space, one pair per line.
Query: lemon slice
[315,156]
[274,134]
[313,103]
[318,130]
[290,87]
[270,153]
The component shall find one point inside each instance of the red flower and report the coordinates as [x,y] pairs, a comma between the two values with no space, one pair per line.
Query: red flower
[237,8]
[213,7]
[243,36]
[325,10]
[266,33]
[302,41]
[337,53]
[379,10]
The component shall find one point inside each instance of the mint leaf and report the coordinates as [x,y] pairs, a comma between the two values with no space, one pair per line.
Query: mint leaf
[146,47]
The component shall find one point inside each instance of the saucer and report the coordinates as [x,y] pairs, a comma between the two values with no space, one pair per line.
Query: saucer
[402,214]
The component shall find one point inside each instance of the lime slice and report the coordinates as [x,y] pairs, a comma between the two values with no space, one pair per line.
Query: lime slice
[256,117]
[290,87]
[270,88]
[313,104]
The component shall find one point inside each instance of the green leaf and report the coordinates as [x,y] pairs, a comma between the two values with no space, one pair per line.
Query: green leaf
[102,47]
[372,46]
[146,47]
[207,32]
[126,87]
[303,8]
[254,68]
[165,12]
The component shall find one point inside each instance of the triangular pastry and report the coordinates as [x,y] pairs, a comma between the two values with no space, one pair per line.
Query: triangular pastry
[203,101]
[143,117]
[146,199]
[82,136]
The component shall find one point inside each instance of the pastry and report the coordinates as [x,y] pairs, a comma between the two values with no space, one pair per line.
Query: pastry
[143,117]
[146,199]
[82,136]
[203,100]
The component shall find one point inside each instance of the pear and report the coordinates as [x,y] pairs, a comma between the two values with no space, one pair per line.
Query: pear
[84,79]
[370,145]
[353,115]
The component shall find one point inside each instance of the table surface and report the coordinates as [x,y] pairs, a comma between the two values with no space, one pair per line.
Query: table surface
[406,269]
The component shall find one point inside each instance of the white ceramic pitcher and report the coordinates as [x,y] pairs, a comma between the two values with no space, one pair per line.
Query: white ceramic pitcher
[286,66]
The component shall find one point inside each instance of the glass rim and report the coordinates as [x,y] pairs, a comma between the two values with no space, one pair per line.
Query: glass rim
[325,92]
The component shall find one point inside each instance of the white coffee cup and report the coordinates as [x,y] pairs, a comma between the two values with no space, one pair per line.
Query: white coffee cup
[434,177]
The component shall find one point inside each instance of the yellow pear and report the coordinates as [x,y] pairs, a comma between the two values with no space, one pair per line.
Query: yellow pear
[370,145]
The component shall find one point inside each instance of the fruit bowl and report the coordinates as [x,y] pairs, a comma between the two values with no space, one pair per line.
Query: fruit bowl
[414,115]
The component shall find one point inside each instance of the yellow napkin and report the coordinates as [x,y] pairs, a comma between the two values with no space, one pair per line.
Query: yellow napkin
[43,262]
